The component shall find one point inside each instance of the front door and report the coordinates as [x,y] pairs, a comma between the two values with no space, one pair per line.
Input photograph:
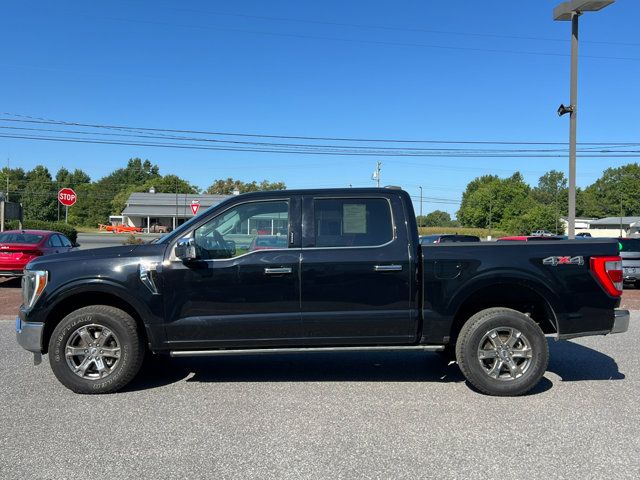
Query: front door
[243,289]
[357,285]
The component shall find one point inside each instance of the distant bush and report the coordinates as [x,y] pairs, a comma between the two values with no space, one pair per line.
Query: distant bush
[65,229]
[479,232]
[133,240]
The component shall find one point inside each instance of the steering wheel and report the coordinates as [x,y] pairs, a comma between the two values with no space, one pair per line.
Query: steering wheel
[221,244]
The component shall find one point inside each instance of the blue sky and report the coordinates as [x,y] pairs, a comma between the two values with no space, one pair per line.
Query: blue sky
[459,70]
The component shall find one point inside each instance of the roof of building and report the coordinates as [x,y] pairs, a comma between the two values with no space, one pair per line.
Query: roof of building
[580,219]
[616,221]
[167,204]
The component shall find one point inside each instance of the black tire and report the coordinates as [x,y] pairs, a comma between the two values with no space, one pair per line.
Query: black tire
[498,326]
[121,339]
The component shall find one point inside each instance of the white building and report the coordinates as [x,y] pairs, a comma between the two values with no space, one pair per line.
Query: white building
[615,227]
[582,224]
[164,210]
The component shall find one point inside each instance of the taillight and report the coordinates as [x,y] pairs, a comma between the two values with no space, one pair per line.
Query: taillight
[608,271]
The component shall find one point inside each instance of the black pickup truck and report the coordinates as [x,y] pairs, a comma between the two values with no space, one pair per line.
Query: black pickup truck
[337,270]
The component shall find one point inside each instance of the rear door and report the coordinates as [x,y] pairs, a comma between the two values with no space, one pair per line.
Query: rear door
[67,246]
[356,271]
[54,245]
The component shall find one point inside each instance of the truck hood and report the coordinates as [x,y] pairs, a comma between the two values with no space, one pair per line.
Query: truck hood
[98,255]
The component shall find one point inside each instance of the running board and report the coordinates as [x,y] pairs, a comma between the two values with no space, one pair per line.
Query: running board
[260,351]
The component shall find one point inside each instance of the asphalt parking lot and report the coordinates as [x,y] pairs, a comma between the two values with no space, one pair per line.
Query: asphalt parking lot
[326,416]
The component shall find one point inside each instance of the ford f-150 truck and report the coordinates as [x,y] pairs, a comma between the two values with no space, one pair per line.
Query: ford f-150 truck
[343,271]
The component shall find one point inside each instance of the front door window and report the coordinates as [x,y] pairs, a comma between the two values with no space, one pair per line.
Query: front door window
[244,228]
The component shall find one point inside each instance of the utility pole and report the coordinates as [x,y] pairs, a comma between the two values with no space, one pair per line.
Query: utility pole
[621,215]
[376,174]
[420,203]
[490,205]
[7,196]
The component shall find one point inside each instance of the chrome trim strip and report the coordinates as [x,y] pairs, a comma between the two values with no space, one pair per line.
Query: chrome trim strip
[277,270]
[388,268]
[260,351]
[146,273]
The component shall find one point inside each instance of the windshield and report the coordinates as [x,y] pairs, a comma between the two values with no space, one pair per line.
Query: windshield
[26,238]
[182,229]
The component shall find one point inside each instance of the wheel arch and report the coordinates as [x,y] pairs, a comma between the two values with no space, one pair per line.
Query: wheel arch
[84,297]
[525,297]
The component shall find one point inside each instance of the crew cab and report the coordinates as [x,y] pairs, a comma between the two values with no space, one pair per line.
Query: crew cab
[349,275]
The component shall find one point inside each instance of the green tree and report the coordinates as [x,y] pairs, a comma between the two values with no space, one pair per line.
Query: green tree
[489,199]
[39,198]
[97,200]
[437,218]
[226,187]
[616,192]
[17,180]
[65,178]
[531,216]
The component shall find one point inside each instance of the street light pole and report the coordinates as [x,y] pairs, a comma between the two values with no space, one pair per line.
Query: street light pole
[573,125]
[572,10]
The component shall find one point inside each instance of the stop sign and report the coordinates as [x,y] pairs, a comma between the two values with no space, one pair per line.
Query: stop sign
[67,197]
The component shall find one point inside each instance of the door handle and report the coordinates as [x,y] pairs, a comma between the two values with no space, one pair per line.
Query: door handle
[277,270]
[388,268]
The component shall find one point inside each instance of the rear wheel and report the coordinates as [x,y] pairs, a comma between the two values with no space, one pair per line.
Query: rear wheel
[502,352]
[96,349]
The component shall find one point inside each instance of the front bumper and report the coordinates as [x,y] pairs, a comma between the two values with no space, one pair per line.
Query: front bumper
[29,335]
[620,321]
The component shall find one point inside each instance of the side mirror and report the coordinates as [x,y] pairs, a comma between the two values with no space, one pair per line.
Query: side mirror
[186,249]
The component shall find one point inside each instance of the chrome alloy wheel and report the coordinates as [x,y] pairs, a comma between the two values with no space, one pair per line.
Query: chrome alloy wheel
[505,353]
[92,351]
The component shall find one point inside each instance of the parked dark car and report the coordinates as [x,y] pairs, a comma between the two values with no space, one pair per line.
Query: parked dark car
[351,277]
[447,238]
[19,247]
[630,253]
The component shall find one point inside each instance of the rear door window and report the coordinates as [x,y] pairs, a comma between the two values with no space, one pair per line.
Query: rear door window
[54,241]
[352,222]
[65,241]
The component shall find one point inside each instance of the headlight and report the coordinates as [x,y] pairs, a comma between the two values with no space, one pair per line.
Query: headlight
[33,283]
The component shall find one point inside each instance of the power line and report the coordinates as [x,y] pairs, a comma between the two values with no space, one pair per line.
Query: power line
[369,149]
[186,146]
[404,29]
[368,42]
[32,119]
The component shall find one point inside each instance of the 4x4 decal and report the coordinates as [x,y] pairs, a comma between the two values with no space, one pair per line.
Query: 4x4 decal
[555,261]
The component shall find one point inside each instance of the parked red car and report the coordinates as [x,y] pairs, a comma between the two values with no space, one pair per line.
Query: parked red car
[528,238]
[19,247]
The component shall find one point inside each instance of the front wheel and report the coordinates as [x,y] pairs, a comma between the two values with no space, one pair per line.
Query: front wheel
[502,352]
[96,349]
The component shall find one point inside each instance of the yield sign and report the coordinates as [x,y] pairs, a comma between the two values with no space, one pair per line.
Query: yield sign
[195,206]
